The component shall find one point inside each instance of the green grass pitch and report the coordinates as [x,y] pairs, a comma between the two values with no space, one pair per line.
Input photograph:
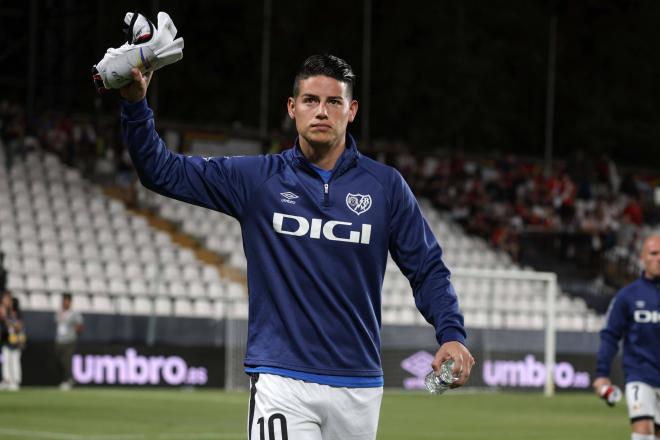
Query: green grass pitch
[121,414]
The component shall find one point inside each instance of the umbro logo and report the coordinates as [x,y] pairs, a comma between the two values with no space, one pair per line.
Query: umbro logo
[289,197]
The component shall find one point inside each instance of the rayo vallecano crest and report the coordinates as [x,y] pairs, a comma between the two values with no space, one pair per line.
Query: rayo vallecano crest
[358,203]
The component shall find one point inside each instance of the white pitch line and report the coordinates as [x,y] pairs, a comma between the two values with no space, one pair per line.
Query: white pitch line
[170,435]
[166,436]
[40,434]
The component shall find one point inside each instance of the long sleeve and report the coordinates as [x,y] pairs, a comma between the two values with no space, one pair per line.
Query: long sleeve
[221,183]
[416,251]
[611,335]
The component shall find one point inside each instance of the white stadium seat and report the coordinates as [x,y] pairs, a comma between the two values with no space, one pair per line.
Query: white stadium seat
[50,250]
[55,283]
[216,290]
[15,281]
[124,305]
[191,272]
[82,303]
[97,286]
[70,250]
[93,269]
[235,290]
[32,264]
[129,254]
[171,272]
[77,284]
[117,287]
[177,289]
[219,309]
[39,301]
[237,310]
[210,273]
[114,269]
[183,307]
[138,287]
[196,289]
[35,282]
[162,306]
[202,307]
[134,270]
[142,305]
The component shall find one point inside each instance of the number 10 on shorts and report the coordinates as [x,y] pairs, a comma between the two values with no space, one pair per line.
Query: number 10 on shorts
[275,418]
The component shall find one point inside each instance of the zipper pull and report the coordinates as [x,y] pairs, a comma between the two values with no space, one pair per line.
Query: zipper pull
[326,188]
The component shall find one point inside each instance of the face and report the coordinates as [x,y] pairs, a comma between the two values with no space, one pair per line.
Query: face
[651,256]
[66,303]
[6,300]
[322,110]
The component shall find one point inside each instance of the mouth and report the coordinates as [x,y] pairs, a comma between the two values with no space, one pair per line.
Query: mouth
[321,127]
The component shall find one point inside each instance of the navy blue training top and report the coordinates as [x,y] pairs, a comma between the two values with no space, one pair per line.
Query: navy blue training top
[316,252]
[634,316]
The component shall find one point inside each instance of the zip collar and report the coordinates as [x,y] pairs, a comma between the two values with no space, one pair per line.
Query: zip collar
[346,161]
[655,282]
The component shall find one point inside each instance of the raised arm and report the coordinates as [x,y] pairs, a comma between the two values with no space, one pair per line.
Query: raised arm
[221,183]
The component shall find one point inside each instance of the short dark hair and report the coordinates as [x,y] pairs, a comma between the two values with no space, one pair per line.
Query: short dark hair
[326,65]
[66,295]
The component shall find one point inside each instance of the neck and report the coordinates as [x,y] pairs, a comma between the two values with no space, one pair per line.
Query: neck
[650,277]
[323,156]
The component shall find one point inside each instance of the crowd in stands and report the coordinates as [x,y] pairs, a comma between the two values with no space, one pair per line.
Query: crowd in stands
[91,144]
[498,199]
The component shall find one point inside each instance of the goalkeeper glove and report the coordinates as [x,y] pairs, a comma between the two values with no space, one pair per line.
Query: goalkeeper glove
[611,394]
[148,48]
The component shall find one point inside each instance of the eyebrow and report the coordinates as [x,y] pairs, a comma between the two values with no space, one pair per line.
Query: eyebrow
[311,95]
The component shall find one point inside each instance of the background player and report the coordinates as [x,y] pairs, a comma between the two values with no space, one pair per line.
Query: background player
[634,315]
[69,325]
[315,266]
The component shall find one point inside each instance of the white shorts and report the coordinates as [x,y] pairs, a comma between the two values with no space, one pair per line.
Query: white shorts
[643,402]
[282,408]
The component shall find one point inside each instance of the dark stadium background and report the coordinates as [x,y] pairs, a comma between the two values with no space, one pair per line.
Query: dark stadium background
[446,74]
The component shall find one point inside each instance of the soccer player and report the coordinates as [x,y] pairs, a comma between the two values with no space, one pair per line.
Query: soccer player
[634,315]
[317,221]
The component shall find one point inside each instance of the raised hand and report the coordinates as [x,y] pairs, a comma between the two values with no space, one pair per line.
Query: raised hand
[137,90]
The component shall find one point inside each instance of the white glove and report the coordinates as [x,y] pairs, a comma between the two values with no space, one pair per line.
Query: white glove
[148,48]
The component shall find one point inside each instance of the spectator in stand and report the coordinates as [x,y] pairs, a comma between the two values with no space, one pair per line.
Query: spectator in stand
[13,132]
[633,211]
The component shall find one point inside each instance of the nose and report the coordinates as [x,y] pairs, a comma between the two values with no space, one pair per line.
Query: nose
[321,111]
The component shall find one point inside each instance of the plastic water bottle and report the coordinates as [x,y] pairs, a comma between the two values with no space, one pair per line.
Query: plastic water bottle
[611,394]
[440,384]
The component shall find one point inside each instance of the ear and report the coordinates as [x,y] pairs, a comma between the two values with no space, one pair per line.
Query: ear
[291,107]
[352,110]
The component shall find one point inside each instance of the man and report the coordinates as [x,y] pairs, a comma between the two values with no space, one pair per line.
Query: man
[634,315]
[318,221]
[69,327]
[12,339]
